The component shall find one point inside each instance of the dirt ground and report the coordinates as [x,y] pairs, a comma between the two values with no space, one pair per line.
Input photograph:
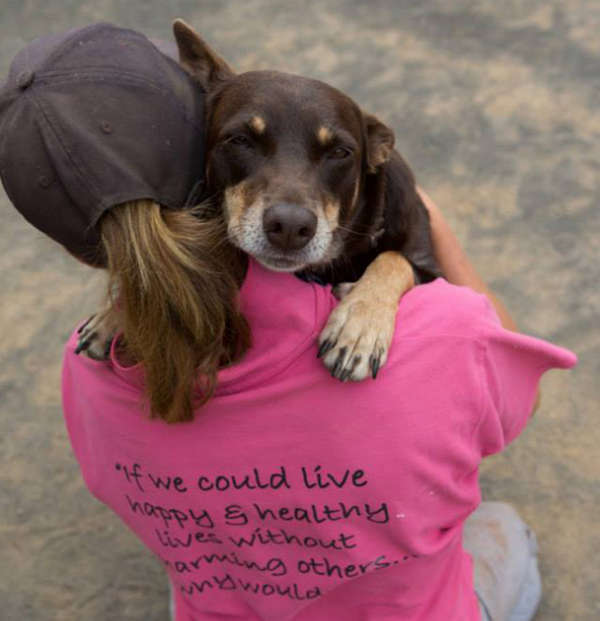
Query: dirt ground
[497,107]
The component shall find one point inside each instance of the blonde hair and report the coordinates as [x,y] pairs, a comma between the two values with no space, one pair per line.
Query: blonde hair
[172,293]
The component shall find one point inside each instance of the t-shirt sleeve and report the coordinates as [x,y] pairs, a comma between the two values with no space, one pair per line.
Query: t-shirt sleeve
[80,377]
[74,372]
[511,367]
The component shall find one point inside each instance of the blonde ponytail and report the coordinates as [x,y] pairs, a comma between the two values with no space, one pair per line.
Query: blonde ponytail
[173,284]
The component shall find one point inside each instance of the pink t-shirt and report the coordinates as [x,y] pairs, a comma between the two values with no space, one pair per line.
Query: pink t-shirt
[295,496]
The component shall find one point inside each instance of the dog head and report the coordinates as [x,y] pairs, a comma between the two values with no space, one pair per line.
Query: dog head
[289,154]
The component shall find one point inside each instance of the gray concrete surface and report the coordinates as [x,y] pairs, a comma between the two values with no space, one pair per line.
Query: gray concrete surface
[496,106]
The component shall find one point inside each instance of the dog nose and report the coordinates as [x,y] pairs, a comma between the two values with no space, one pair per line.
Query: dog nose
[289,227]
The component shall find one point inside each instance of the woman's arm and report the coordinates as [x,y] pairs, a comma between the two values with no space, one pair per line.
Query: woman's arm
[455,264]
[457,268]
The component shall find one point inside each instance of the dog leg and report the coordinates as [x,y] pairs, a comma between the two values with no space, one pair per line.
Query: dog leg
[359,331]
[95,337]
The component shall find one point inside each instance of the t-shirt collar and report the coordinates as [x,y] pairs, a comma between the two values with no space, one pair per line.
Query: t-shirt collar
[285,316]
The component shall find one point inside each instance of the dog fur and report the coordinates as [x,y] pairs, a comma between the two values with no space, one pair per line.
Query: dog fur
[281,141]
[309,183]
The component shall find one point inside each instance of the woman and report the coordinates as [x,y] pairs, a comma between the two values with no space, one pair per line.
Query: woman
[282,493]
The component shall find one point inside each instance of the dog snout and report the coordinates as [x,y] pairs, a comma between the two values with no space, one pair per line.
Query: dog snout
[289,227]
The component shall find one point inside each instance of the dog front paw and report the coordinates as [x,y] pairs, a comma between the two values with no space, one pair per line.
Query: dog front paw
[355,341]
[359,331]
[94,338]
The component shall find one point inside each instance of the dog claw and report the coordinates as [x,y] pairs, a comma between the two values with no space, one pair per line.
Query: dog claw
[84,324]
[325,347]
[85,342]
[338,367]
[105,355]
[375,364]
[344,373]
[348,371]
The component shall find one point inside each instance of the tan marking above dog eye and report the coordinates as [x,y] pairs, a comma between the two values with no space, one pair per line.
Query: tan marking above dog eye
[258,124]
[324,135]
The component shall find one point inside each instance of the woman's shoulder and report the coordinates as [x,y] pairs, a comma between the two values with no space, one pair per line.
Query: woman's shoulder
[439,308]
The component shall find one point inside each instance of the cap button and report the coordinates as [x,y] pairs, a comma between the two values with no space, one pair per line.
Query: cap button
[44,181]
[24,79]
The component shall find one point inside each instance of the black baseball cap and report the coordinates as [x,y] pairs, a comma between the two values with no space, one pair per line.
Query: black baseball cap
[93,118]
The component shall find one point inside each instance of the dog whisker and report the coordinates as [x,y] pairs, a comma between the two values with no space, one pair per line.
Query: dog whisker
[341,227]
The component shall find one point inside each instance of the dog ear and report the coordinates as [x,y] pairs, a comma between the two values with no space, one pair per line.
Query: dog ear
[380,142]
[197,58]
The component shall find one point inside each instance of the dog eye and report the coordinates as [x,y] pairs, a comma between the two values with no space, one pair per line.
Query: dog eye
[239,140]
[339,153]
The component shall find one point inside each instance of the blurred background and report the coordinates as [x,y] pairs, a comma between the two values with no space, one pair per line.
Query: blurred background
[496,105]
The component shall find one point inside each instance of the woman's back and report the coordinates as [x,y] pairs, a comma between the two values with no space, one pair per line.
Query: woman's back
[294,496]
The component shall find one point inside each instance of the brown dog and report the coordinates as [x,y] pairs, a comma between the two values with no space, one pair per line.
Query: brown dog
[310,184]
